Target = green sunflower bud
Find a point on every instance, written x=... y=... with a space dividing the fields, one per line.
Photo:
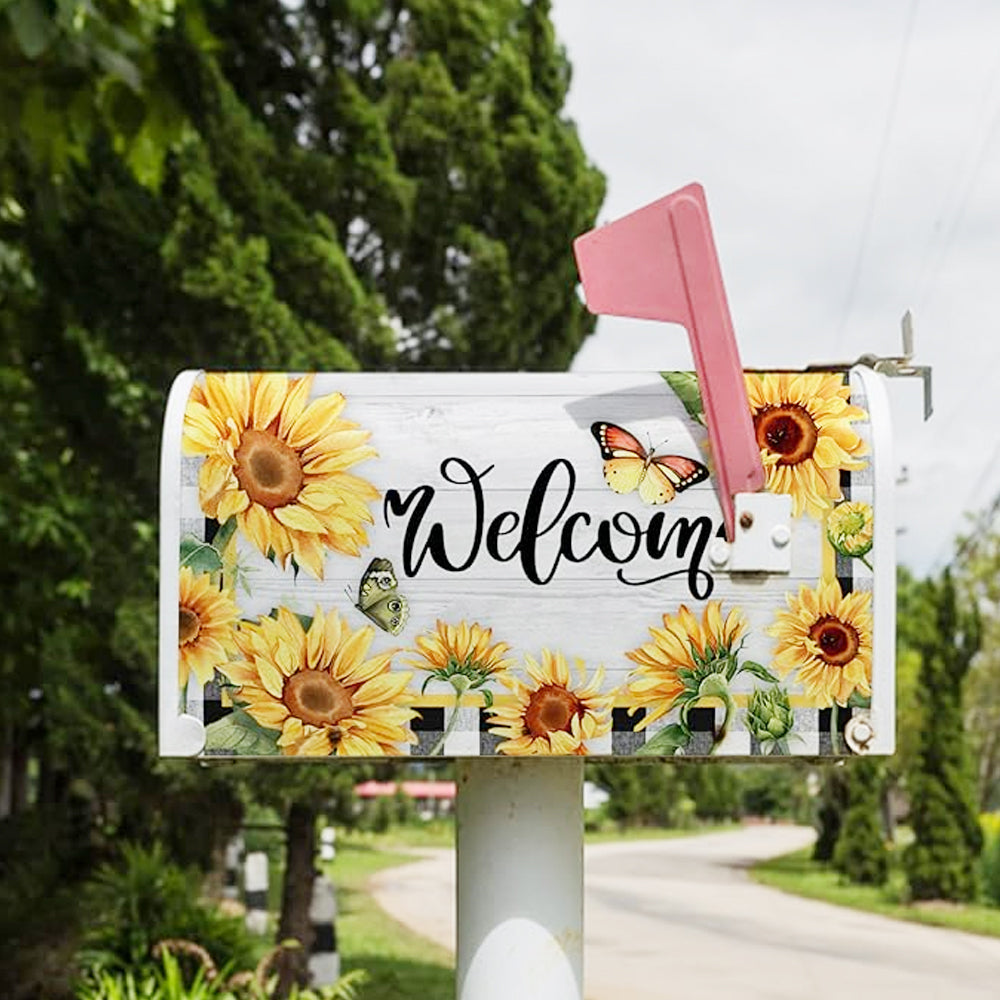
x=770 y=718
x=850 y=527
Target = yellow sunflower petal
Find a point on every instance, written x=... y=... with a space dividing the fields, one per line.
x=269 y=392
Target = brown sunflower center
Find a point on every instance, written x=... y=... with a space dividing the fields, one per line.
x=189 y=625
x=315 y=697
x=786 y=430
x=838 y=642
x=268 y=470
x=551 y=708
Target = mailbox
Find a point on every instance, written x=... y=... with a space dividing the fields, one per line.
x=523 y=564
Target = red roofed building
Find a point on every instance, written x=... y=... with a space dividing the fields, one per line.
x=430 y=798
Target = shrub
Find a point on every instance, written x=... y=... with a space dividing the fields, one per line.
x=860 y=853
x=145 y=898
x=989 y=861
x=167 y=982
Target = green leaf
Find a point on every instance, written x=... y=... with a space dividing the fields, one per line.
x=666 y=742
x=124 y=107
x=119 y=66
x=239 y=734
x=33 y=28
x=685 y=386
x=759 y=671
x=199 y=556
x=225 y=532
x=858 y=700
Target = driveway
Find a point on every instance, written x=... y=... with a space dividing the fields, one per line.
x=674 y=919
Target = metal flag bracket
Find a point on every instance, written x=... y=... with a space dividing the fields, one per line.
x=895 y=366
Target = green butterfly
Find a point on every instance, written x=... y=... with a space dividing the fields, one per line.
x=378 y=599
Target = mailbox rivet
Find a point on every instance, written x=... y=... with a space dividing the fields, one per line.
x=746 y=520
x=859 y=732
x=718 y=552
x=781 y=535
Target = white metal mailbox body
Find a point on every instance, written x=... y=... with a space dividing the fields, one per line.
x=492 y=498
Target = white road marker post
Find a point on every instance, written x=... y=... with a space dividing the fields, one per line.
x=255 y=882
x=324 y=957
x=519 y=860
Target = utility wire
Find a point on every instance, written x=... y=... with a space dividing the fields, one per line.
x=890 y=119
x=969 y=170
x=983 y=519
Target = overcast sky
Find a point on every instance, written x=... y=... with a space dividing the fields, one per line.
x=850 y=152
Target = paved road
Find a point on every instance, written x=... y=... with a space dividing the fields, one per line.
x=676 y=919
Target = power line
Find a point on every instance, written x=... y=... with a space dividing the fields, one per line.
x=959 y=216
x=984 y=517
x=969 y=170
x=879 y=169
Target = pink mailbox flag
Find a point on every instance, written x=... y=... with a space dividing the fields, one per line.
x=660 y=262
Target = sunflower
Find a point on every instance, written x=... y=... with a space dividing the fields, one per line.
x=850 y=526
x=827 y=638
x=279 y=465
x=681 y=655
x=319 y=689
x=463 y=654
x=802 y=424
x=549 y=716
x=205 y=626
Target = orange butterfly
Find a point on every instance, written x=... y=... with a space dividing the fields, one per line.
x=629 y=466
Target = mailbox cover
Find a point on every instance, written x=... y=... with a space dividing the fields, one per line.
x=384 y=564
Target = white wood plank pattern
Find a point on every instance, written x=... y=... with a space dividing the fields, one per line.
x=641 y=561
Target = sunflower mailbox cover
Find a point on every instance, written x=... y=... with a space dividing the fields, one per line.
x=521 y=564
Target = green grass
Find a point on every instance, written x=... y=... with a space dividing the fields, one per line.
x=798 y=874
x=611 y=834
x=441 y=833
x=401 y=965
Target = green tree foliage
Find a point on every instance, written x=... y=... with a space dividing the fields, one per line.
x=714 y=787
x=70 y=71
x=647 y=794
x=978 y=576
x=941 y=863
x=145 y=898
x=832 y=805
x=351 y=185
x=776 y=790
x=860 y=853
x=431 y=135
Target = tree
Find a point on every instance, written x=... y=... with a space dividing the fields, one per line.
x=714 y=787
x=941 y=863
x=860 y=852
x=356 y=184
x=431 y=135
x=69 y=71
x=978 y=576
x=651 y=794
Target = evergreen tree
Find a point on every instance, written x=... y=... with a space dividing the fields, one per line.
x=860 y=853
x=978 y=576
x=941 y=863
